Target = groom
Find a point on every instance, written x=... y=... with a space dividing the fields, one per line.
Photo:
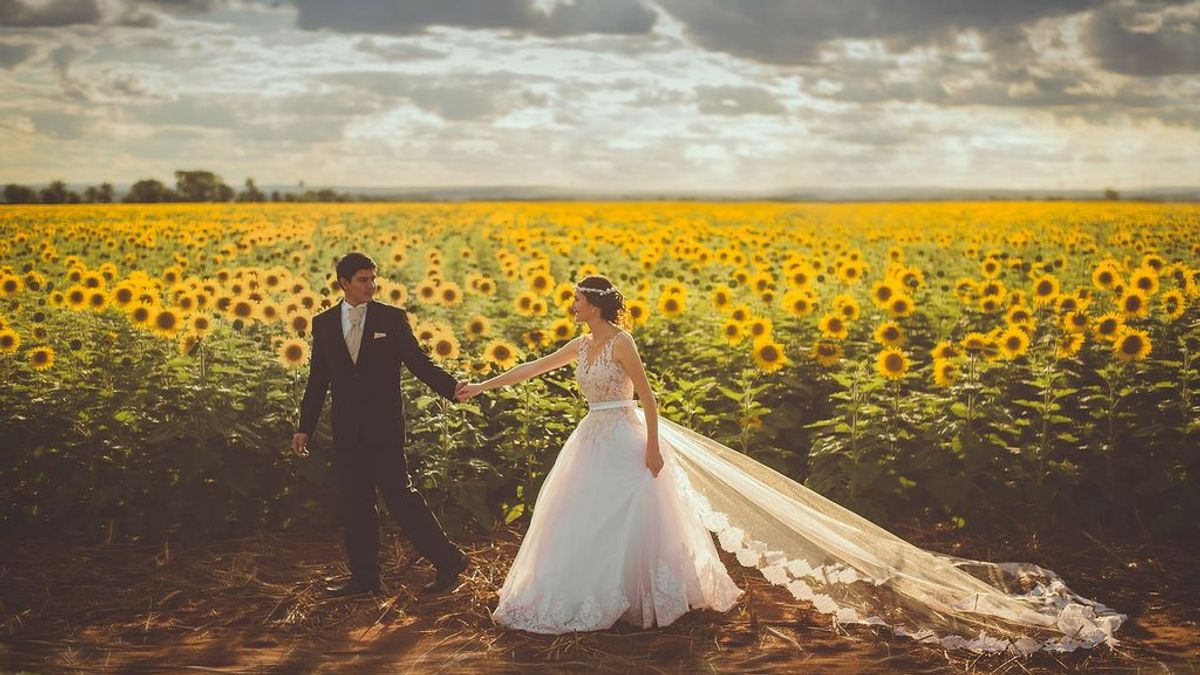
x=358 y=346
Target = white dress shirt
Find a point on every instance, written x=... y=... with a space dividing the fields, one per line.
x=346 y=318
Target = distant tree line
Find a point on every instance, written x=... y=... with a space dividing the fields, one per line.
x=190 y=186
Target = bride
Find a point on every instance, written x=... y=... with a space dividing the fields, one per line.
x=620 y=530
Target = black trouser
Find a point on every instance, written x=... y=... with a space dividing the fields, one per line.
x=359 y=470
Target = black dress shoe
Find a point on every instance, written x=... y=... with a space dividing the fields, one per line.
x=351 y=587
x=447 y=576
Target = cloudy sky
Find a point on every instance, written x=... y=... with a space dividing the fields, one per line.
x=608 y=94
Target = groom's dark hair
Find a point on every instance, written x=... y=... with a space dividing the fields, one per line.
x=352 y=262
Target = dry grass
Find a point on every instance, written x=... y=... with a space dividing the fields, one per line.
x=257 y=605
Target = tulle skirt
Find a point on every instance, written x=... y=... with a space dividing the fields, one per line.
x=608 y=540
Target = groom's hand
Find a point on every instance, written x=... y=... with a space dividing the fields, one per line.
x=300 y=445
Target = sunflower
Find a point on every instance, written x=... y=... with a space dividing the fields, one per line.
x=990 y=304
x=292 y=353
x=1013 y=342
x=445 y=347
x=10 y=341
x=834 y=326
x=945 y=372
x=892 y=363
x=769 y=356
x=850 y=273
x=882 y=293
x=847 y=306
x=977 y=344
x=535 y=338
x=122 y=295
x=740 y=313
x=827 y=353
x=199 y=325
x=397 y=295
x=140 y=315
x=538 y=307
x=1068 y=345
x=97 y=300
x=991 y=267
x=166 y=322
x=799 y=302
x=1132 y=345
x=759 y=328
x=1045 y=290
x=637 y=311
x=41 y=357
x=478 y=326
x=501 y=353
x=10 y=285
x=562 y=330
x=1076 y=321
x=425 y=332
x=722 y=298
x=427 y=291
x=524 y=303
x=945 y=349
x=1174 y=303
x=1106 y=275
x=671 y=305
x=269 y=312
x=900 y=306
x=485 y=286
x=992 y=288
x=242 y=308
x=450 y=294
x=889 y=333
x=77 y=297
x=733 y=332
x=1108 y=326
x=1133 y=303
x=1144 y=279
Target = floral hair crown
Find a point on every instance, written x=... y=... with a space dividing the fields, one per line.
x=597 y=291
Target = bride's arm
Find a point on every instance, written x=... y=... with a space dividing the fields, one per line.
x=568 y=353
x=625 y=353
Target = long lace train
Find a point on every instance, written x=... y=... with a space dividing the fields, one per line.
x=858 y=572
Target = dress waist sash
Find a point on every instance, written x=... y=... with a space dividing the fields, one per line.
x=605 y=405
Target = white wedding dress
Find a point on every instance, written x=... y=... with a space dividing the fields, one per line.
x=610 y=541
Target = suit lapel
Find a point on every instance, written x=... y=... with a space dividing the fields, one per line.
x=368 y=336
x=335 y=327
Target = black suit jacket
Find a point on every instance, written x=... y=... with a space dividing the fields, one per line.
x=366 y=394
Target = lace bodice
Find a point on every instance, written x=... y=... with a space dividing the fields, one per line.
x=600 y=377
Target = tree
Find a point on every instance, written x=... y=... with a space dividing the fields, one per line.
x=202 y=186
x=1111 y=195
x=55 y=193
x=105 y=193
x=20 y=194
x=251 y=193
x=149 y=190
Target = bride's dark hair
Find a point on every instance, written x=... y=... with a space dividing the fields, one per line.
x=612 y=305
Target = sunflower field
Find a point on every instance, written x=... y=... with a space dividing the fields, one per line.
x=971 y=363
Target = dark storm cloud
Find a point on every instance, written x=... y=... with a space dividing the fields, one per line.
x=790 y=32
x=458 y=98
x=625 y=17
x=737 y=101
x=1169 y=44
x=19 y=14
x=14 y=54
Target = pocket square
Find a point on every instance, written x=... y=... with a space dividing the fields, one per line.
x=379 y=335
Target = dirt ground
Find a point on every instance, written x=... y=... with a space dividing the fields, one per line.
x=257 y=605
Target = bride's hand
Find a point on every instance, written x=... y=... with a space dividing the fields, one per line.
x=654 y=460
x=470 y=391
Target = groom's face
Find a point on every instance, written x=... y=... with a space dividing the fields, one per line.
x=360 y=288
